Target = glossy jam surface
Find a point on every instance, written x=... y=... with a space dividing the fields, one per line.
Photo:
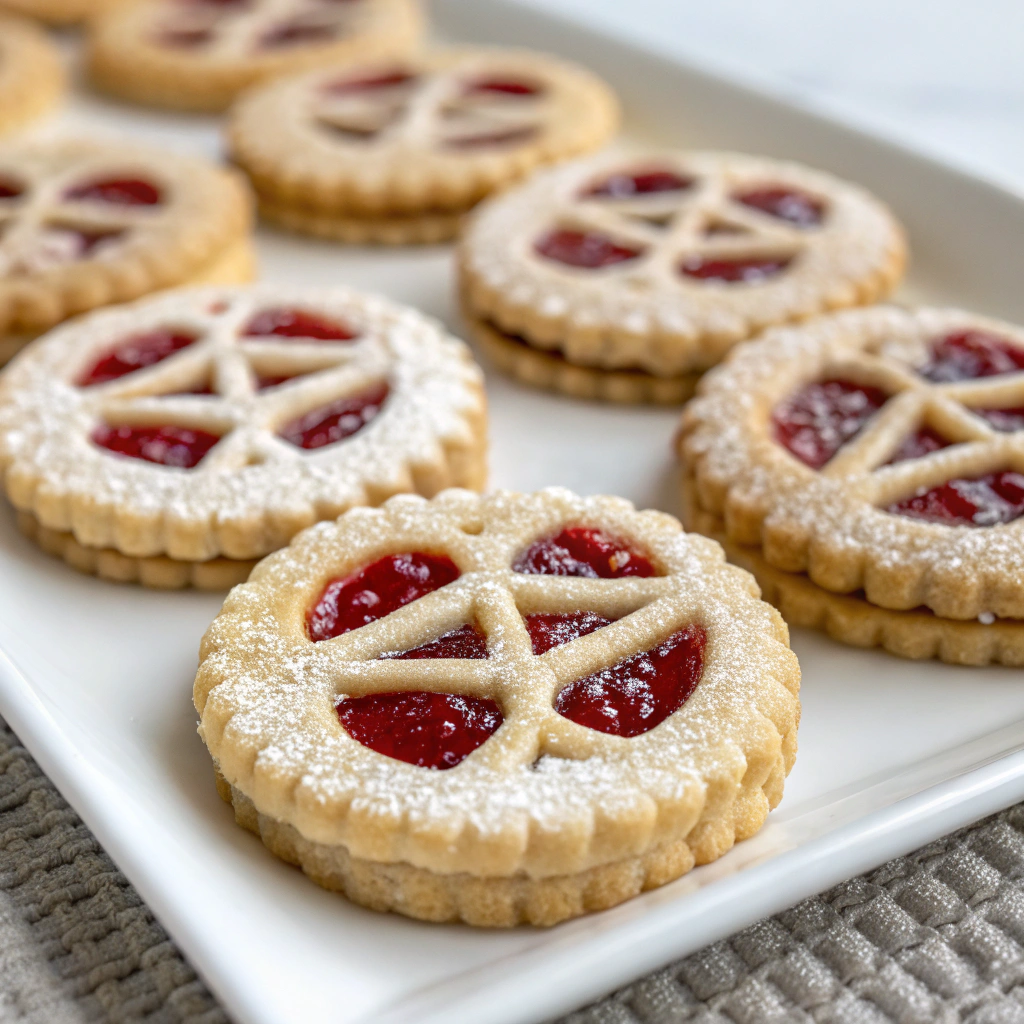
x=264 y=382
x=818 y=420
x=733 y=271
x=788 y=204
x=370 y=83
x=294 y=323
x=969 y=355
x=640 y=183
x=581 y=551
x=178 y=447
x=430 y=730
x=466 y=642
x=637 y=694
x=918 y=445
x=335 y=422
x=984 y=501
x=377 y=590
x=117 y=191
x=504 y=87
x=9 y=189
x=589 y=250
x=135 y=354
x=550 y=631
x=1005 y=420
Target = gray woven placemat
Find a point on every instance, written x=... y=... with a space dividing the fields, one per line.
x=934 y=937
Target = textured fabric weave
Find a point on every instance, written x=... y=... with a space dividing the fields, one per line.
x=934 y=937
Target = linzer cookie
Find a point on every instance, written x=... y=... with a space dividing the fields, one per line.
x=624 y=278
x=176 y=440
x=86 y=224
x=31 y=77
x=517 y=708
x=200 y=55
x=58 y=12
x=398 y=151
x=868 y=467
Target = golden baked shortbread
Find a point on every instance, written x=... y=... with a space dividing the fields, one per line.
x=176 y=440
x=516 y=708
x=88 y=223
x=398 y=151
x=869 y=468
x=200 y=56
x=31 y=75
x=59 y=12
x=625 y=277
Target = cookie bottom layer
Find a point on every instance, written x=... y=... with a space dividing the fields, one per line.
x=507 y=902
x=852 y=620
x=158 y=573
x=425 y=229
x=554 y=372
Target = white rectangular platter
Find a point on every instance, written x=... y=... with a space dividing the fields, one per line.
x=96 y=678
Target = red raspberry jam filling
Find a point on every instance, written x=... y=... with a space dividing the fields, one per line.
x=504 y=87
x=9 y=189
x=590 y=250
x=337 y=421
x=1005 y=420
x=550 y=631
x=788 y=204
x=970 y=355
x=581 y=551
x=640 y=692
x=265 y=383
x=177 y=447
x=118 y=191
x=293 y=323
x=984 y=501
x=506 y=138
x=377 y=590
x=135 y=354
x=733 y=271
x=918 y=445
x=370 y=83
x=466 y=642
x=295 y=33
x=640 y=183
x=430 y=730
x=817 y=421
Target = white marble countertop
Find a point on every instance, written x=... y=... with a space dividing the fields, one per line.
x=944 y=75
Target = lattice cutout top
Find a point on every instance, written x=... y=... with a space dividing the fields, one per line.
x=88 y=223
x=439 y=131
x=212 y=50
x=539 y=792
x=222 y=421
x=662 y=261
x=879 y=450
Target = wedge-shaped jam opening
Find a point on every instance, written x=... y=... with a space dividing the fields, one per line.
x=988 y=500
x=117 y=191
x=819 y=419
x=430 y=730
x=297 y=324
x=10 y=189
x=467 y=642
x=503 y=85
x=135 y=353
x=746 y=270
x=337 y=421
x=784 y=203
x=583 y=551
x=184 y=38
x=548 y=631
x=970 y=355
x=587 y=250
x=370 y=83
x=176 y=447
x=637 y=694
x=298 y=33
x=377 y=590
x=921 y=443
x=651 y=181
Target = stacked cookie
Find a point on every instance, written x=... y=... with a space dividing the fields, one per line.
x=31 y=77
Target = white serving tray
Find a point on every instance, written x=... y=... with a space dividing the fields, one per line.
x=96 y=678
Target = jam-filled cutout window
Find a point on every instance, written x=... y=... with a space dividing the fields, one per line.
x=920 y=444
x=116 y=192
x=1006 y=421
x=297 y=325
x=503 y=87
x=298 y=32
x=586 y=552
x=971 y=355
x=468 y=643
x=337 y=421
x=734 y=269
x=61 y=242
x=989 y=500
x=650 y=181
x=10 y=188
x=813 y=424
x=785 y=203
x=136 y=353
x=384 y=81
x=165 y=445
x=585 y=250
x=549 y=630
x=640 y=692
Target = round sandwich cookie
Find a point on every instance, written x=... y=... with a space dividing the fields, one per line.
x=175 y=441
x=58 y=12
x=500 y=710
x=31 y=75
x=626 y=277
x=190 y=55
x=85 y=224
x=868 y=467
x=397 y=151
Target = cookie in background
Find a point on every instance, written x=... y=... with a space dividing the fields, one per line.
x=31 y=73
x=59 y=12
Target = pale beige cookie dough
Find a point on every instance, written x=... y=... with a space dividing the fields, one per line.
x=59 y=12
x=31 y=75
